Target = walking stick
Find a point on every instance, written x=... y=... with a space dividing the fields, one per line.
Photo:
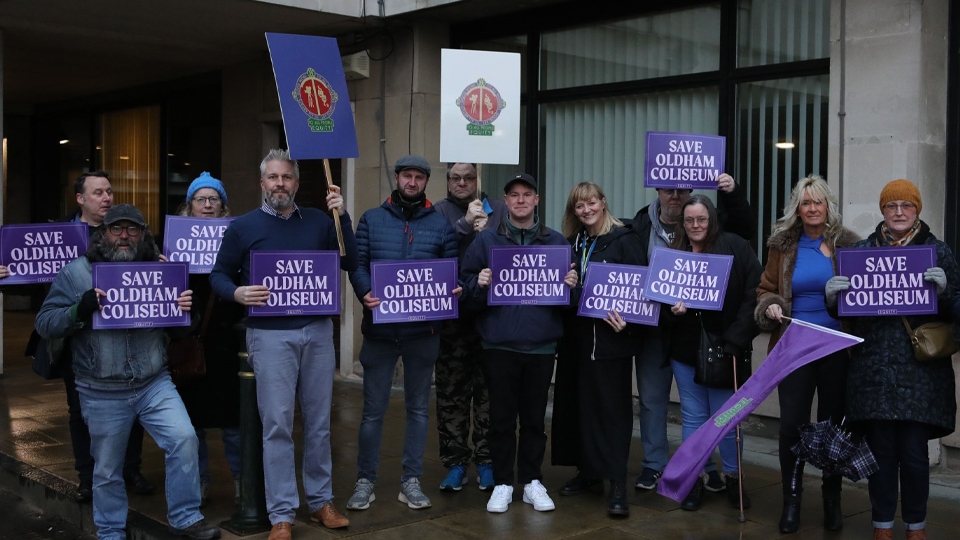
x=741 y=518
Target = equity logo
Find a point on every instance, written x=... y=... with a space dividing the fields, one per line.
x=317 y=99
x=481 y=104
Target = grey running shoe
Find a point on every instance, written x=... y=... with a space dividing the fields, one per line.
x=362 y=495
x=412 y=495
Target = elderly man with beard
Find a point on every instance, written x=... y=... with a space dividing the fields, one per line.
x=121 y=377
x=406 y=226
x=288 y=354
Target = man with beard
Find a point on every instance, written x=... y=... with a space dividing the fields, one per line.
x=121 y=378
x=288 y=354
x=406 y=226
x=459 y=375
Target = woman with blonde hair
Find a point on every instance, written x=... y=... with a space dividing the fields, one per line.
x=801 y=258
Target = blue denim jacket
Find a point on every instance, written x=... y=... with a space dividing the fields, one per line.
x=101 y=358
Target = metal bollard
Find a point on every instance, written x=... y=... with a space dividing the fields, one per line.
x=252 y=515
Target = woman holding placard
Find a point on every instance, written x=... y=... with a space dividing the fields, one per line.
x=734 y=324
x=901 y=402
x=593 y=401
x=802 y=257
x=213 y=401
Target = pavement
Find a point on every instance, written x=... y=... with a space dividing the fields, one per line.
x=37 y=479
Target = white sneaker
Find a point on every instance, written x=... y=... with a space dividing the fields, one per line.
x=534 y=493
x=501 y=499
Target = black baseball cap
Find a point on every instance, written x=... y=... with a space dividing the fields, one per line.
x=124 y=212
x=522 y=177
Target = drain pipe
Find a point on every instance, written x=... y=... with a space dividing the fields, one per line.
x=842 y=106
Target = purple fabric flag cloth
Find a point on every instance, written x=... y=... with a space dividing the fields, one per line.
x=800 y=344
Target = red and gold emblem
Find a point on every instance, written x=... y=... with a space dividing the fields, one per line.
x=481 y=104
x=317 y=99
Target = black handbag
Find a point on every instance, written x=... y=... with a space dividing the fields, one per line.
x=715 y=368
x=186 y=360
x=47 y=355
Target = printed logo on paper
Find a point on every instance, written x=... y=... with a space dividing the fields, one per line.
x=317 y=99
x=481 y=104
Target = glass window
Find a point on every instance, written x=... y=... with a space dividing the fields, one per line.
x=604 y=140
x=772 y=116
x=129 y=149
x=672 y=43
x=776 y=31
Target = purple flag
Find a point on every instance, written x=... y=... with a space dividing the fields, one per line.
x=683 y=160
x=414 y=290
x=617 y=287
x=887 y=281
x=800 y=344
x=140 y=294
x=194 y=240
x=36 y=253
x=531 y=275
x=698 y=279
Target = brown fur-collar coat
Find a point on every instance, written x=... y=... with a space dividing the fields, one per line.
x=776 y=283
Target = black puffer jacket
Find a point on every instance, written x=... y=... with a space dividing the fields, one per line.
x=885 y=381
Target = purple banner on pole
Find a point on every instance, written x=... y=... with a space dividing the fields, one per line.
x=414 y=290
x=529 y=275
x=140 y=294
x=683 y=160
x=314 y=103
x=800 y=344
x=36 y=253
x=300 y=282
x=194 y=241
x=698 y=279
x=617 y=287
x=887 y=281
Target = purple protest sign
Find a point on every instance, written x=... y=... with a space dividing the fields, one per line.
x=140 y=294
x=414 y=290
x=317 y=118
x=617 y=287
x=887 y=281
x=529 y=275
x=300 y=282
x=683 y=160
x=698 y=279
x=195 y=241
x=35 y=253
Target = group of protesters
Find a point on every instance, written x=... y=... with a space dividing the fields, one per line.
x=493 y=365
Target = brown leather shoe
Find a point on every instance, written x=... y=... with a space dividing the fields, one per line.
x=281 y=531
x=330 y=517
x=882 y=534
x=918 y=534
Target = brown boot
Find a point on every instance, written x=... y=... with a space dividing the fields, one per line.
x=330 y=517
x=918 y=534
x=280 y=531
x=883 y=534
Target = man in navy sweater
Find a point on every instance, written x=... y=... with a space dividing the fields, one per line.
x=288 y=353
x=406 y=226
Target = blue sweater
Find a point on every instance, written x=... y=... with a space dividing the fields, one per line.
x=256 y=230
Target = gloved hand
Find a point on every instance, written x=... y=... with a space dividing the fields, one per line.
x=89 y=304
x=833 y=287
x=938 y=276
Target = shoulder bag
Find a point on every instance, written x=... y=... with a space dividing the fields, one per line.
x=715 y=368
x=185 y=356
x=932 y=341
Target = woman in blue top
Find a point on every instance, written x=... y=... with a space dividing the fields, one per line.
x=802 y=257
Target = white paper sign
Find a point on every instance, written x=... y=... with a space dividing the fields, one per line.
x=479 y=107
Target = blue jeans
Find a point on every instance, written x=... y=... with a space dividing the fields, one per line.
x=697 y=405
x=654 y=381
x=379 y=358
x=158 y=407
x=231 y=448
x=901 y=451
x=288 y=363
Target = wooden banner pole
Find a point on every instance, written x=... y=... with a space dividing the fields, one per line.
x=336 y=215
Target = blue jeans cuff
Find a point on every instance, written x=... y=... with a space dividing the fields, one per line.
x=883 y=524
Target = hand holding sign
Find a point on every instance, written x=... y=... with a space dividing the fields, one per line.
x=185 y=300
x=252 y=295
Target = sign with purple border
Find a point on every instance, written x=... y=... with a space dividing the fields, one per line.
x=887 y=281
x=140 y=295
x=617 y=287
x=36 y=253
x=698 y=279
x=683 y=160
x=195 y=241
x=300 y=282
x=531 y=275
x=414 y=290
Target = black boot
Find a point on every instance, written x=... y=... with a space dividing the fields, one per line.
x=580 y=483
x=733 y=492
x=790 y=519
x=617 y=503
x=695 y=498
x=832 y=516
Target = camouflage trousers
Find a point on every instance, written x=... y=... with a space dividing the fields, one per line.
x=461 y=390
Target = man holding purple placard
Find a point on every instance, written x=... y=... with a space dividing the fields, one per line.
x=293 y=354
x=121 y=377
x=406 y=226
x=519 y=343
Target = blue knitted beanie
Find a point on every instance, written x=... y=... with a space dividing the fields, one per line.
x=206 y=181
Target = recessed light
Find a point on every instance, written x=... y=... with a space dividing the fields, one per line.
x=785 y=145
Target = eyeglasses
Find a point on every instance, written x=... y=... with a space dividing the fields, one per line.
x=701 y=220
x=674 y=192
x=202 y=201
x=904 y=206
x=132 y=230
x=467 y=179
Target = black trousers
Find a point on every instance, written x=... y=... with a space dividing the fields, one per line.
x=519 y=385
x=901 y=451
x=828 y=378
x=606 y=416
